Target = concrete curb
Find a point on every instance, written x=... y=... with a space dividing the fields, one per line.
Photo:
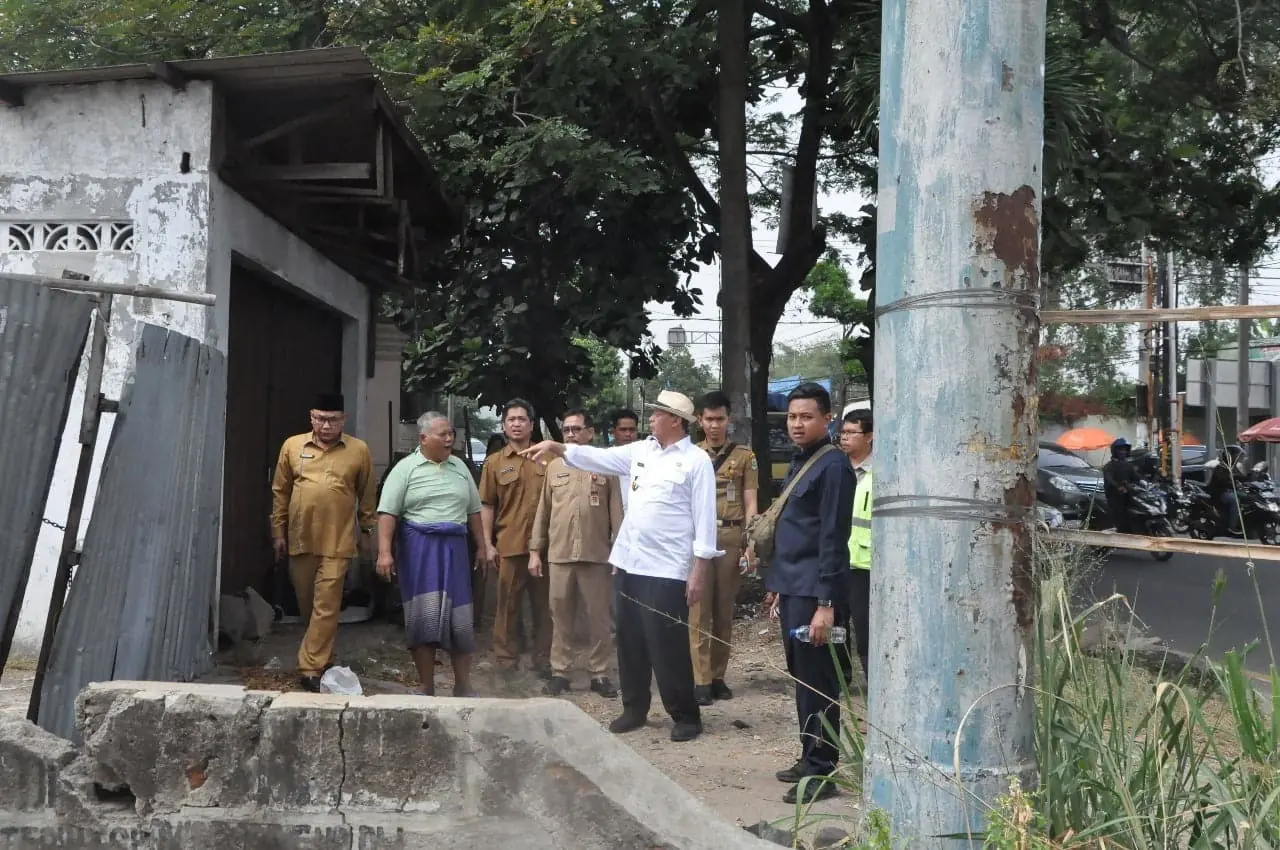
x=168 y=765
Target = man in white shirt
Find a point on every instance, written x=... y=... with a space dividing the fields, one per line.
x=662 y=553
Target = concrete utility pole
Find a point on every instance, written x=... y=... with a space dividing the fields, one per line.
x=958 y=256
x=1174 y=436
x=1244 y=329
x=735 y=217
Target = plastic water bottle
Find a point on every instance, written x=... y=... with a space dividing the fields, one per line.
x=836 y=634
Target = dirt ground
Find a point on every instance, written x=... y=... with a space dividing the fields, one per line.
x=15 y=688
x=730 y=767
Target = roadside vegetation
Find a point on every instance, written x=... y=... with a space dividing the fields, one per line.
x=1133 y=754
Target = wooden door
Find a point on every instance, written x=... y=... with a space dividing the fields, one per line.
x=283 y=350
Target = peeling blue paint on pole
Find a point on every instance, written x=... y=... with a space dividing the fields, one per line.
x=961 y=137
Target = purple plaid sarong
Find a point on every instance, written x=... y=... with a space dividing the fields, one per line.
x=435 y=585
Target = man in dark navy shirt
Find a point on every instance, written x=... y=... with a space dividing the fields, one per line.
x=809 y=580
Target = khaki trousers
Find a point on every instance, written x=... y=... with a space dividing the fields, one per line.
x=513 y=581
x=711 y=619
x=317 y=581
x=581 y=588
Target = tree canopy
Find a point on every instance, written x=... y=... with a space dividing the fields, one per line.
x=580 y=136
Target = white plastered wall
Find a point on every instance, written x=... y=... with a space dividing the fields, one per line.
x=138 y=154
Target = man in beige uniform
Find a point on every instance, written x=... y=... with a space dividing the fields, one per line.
x=510 y=487
x=711 y=618
x=578 y=517
x=321 y=478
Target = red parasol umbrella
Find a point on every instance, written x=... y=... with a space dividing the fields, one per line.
x=1267 y=431
x=1085 y=439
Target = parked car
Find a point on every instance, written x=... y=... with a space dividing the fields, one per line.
x=1193 y=461
x=1066 y=481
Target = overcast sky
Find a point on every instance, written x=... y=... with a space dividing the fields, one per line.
x=800 y=328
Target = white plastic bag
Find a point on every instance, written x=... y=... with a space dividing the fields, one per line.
x=340 y=680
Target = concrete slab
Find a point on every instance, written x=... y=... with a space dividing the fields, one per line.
x=219 y=766
x=30 y=761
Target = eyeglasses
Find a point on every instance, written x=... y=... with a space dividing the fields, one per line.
x=574 y=429
x=328 y=420
x=853 y=433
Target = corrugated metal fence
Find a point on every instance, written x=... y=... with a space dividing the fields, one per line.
x=42 y=333
x=140 y=603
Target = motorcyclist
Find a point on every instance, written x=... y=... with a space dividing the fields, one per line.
x=1222 y=486
x=1119 y=475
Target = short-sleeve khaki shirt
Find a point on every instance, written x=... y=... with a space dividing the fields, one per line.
x=511 y=486
x=578 y=516
x=736 y=475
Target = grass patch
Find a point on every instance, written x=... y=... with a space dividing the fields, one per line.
x=1128 y=758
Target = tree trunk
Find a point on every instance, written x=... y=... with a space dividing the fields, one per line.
x=764 y=321
x=735 y=218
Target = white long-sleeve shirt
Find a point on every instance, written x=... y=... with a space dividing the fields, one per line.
x=671 y=509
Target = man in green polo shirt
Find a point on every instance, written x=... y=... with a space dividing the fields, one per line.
x=431 y=499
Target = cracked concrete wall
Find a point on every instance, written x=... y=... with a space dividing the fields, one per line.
x=168 y=766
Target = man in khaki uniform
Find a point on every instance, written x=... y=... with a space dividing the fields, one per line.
x=510 y=487
x=711 y=619
x=320 y=479
x=578 y=516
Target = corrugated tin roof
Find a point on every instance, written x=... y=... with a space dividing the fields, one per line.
x=293 y=68
x=264 y=90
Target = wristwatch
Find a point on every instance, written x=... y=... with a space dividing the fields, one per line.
x=824 y=603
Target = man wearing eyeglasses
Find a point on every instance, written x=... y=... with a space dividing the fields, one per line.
x=856 y=435
x=579 y=514
x=322 y=478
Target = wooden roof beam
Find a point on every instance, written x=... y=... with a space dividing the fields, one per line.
x=307 y=171
x=324 y=113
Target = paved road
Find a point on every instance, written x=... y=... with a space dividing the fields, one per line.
x=1175 y=601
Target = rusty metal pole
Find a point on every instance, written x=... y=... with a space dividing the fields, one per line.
x=958 y=274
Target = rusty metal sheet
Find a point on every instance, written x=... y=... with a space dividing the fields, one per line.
x=42 y=334
x=141 y=600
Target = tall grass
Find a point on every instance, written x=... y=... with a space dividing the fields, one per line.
x=1129 y=758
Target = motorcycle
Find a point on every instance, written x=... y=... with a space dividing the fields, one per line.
x=1259 y=512
x=1146 y=513
x=1183 y=503
x=1179 y=501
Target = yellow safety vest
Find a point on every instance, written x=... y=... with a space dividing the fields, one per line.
x=860 y=535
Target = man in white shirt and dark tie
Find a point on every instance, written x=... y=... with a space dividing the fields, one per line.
x=662 y=553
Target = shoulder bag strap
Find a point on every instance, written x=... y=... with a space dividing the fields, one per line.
x=719 y=459
x=795 y=479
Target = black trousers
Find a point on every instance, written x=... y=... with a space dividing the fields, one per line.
x=860 y=613
x=817 y=669
x=653 y=642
